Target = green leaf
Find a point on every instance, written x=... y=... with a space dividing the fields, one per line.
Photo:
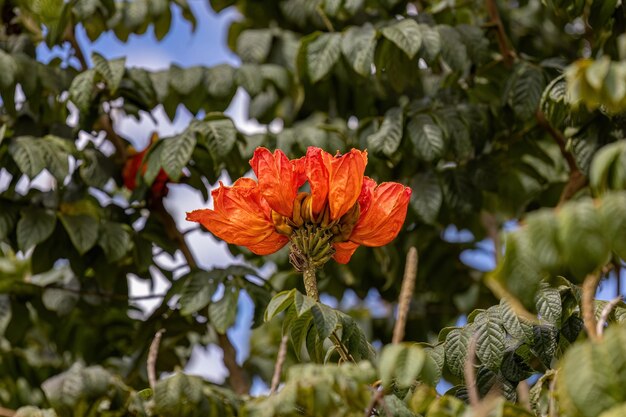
x=298 y=329
x=426 y=136
x=117 y=69
x=278 y=303
x=81 y=89
x=176 y=152
x=322 y=53
x=28 y=155
x=56 y=155
x=549 y=305
x=545 y=342
x=427 y=202
x=358 y=44
x=456 y=345
x=526 y=90
x=186 y=81
x=387 y=139
x=82 y=229
x=453 y=50
x=5 y=313
x=180 y=395
x=197 y=291
x=223 y=312
x=34 y=226
x=513 y=324
x=584 y=245
x=490 y=339
x=253 y=45
x=115 y=240
x=8 y=70
x=8 y=218
x=302 y=303
x=325 y=320
x=406 y=35
x=217 y=133
x=401 y=365
x=431 y=42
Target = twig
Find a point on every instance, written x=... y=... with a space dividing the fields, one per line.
x=605 y=314
x=590 y=284
x=378 y=396
x=153 y=354
x=325 y=18
x=406 y=294
x=70 y=36
x=523 y=395
x=507 y=53
x=280 y=361
x=470 y=373
x=105 y=123
x=490 y=224
x=552 y=409
x=577 y=180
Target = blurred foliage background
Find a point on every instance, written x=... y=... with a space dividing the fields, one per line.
x=498 y=114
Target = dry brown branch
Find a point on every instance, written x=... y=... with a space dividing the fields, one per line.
x=590 y=284
x=280 y=361
x=604 y=316
x=577 y=180
x=406 y=294
x=507 y=53
x=153 y=354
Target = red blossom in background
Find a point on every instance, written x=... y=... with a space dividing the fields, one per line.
x=135 y=165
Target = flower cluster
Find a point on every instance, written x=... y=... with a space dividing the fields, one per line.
x=135 y=164
x=341 y=210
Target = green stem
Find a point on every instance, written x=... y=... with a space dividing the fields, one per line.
x=310 y=286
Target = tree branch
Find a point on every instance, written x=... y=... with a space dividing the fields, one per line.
x=507 y=53
x=280 y=361
x=70 y=36
x=590 y=284
x=406 y=294
x=106 y=123
x=605 y=314
x=577 y=180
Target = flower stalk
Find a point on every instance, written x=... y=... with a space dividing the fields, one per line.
x=310 y=286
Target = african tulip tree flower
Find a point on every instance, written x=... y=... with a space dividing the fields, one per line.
x=344 y=208
x=135 y=164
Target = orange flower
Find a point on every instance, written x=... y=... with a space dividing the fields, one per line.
x=343 y=210
x=135 y=163
x=242 y=217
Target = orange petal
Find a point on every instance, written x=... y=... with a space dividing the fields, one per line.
x=278 y=179
x=317 y=174
x=345 y=180
x=384 y=217
x=344 y=251
x=241 y=217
